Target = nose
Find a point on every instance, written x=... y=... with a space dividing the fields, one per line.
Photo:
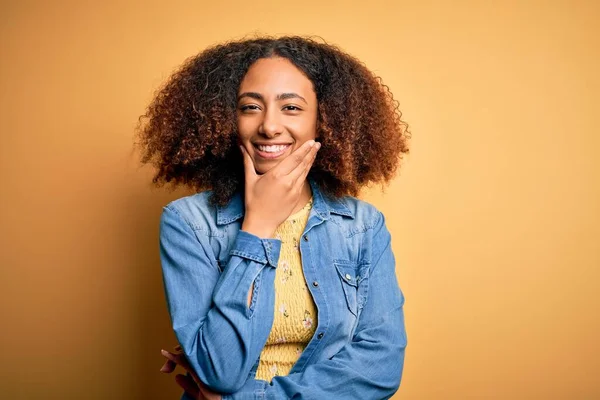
x=270 y=125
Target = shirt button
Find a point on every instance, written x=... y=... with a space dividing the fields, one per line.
x=315 y=283
x=348 y=277
x=305 y=237
x=320 y=335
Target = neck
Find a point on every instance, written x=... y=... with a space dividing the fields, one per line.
x=305 y=195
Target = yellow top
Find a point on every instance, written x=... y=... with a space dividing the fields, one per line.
x=295 y=312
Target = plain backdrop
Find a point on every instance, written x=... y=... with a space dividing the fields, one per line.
x=495 y=215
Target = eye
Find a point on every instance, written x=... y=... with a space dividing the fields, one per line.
x=249 y=107
x=292 y=108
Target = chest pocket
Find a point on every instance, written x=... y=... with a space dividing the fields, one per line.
x=353 y=281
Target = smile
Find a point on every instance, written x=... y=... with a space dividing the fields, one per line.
x=271 y=151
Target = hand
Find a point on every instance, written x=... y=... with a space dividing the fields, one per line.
x=192 y=386
x=271 y=198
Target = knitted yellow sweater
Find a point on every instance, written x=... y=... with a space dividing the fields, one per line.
x=295 y=312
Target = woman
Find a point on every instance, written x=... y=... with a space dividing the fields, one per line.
x=279 y=283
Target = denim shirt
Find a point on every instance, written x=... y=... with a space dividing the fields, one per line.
x=209 y=265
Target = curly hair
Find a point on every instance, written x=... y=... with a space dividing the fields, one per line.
x=189 y=130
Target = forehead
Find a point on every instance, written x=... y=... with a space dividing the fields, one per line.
x=275 y=75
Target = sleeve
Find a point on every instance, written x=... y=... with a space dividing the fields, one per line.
x=370 y=366
x=221 y=336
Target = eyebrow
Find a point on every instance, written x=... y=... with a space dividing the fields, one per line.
x=281 y=96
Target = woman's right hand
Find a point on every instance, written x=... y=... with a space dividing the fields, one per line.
x=190 y=384
x=272 y=197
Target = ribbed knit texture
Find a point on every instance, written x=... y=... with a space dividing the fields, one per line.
x=295 y=312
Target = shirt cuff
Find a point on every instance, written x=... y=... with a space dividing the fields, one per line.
x=264 y=251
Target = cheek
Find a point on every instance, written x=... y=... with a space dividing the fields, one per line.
x=304 y=129
x=244 y=131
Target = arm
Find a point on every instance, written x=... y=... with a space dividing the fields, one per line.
x=219 y=333
x=370 y=366
x=224 y=339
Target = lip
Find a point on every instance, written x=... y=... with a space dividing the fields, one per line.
x=271 y=143
x=271 y=156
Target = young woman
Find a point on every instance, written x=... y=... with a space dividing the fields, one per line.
x=279 y=283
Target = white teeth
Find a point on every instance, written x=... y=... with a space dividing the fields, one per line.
x=272 y=149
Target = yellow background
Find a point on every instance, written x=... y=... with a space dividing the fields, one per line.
x=495 y=216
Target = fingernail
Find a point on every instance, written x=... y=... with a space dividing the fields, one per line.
x=312 y=143
x=163 y=369
x=318 y=145
x=164 y=352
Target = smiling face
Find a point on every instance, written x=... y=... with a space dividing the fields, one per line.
x=276 y=111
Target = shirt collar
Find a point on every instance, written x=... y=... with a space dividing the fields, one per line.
x=323 y=206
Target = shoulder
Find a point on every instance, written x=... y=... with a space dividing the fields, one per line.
x=366 y=215
x=195 y=210
x=358 y=235
x=191 y=203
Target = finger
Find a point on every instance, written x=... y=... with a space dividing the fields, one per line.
x=249 y=171
x=188 y=384
x=300 y=181
x=169 y=356
x=178 y=348
x=289 y=163
x=178 y=359
x=168 y=367
x=301 y=171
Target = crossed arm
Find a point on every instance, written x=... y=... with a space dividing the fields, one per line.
x=369 y=366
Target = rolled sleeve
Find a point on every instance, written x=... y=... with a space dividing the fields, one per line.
x=209 y=310
x=264 y=251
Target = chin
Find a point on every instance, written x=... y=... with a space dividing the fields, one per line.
x=263 y=168
x=262 y=171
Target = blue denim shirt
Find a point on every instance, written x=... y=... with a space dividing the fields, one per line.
x=209 y=264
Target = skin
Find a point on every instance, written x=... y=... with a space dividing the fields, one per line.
x=192 y=385
x=277 y=105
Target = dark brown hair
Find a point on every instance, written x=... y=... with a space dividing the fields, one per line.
x=189 y=129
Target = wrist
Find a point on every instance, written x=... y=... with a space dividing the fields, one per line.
x=262 y=232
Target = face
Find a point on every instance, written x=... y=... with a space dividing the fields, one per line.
x=276 y=111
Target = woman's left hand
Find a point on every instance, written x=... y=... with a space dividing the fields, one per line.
x=192 y=385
